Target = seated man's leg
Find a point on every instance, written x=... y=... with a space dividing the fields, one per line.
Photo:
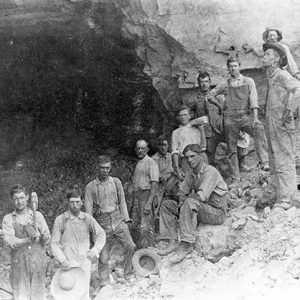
x=168 y=216
x=103 y=269
x=193 y=211
x=123 y=235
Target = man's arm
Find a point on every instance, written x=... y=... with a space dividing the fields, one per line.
x=184 y=190
x=9 y=234
x=175 y=155
x=154 y=179
x=55 y=246
x=121 y=198
x=218 y=90
x=99 y=238
x=43 y=228
x=88 y=200
x=291 y=62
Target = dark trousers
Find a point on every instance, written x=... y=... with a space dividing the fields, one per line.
x=191 y=213
x=122 y=234
x=233 y=123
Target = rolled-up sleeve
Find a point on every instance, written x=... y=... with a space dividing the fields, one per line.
x=293 y=86
x=175 y=143
x=154 y=171
x=212 y=182
x=218 y=90
x=55 y=245
x=99 y=236
x=252 y=93
x=88 y=199
x=8 y=230
x=121 y=198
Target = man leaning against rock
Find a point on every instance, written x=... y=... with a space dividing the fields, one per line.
x=202 y=198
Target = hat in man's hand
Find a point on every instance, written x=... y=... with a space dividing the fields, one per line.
x=71 y=284
x=280 y=50
x=266 y=33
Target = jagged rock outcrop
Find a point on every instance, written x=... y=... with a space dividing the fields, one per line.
x=176 y=38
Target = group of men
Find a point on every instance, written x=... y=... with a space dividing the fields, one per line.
x=181 y=188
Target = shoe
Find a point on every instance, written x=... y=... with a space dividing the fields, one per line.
x=265 y=167
x=170 y=248
x=181 y=253
x=245 y=168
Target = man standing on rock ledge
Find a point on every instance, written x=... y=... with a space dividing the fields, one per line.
x=280 y=125
x=240 y=113
x=202 y=198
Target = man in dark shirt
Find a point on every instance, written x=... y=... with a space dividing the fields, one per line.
x=201 y=199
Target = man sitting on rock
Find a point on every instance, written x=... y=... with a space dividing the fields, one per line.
x=202 y=198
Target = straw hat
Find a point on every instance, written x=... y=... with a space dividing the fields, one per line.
x=280 y=50
x=71 y=284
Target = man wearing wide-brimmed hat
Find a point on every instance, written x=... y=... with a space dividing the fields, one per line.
x=272 y=35
x=280 y=125
x=70 y=245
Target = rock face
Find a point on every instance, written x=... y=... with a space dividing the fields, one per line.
x=177 y=38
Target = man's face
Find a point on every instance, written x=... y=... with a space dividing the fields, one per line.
x=163 y=147
x=75 y=205
x=204 y=84
x=234 y=69
x=184 y=116
x=269 y=58
x=20 y=201
x=193 y=158
x=104 y=170
x=141 y=149
x=272 y=36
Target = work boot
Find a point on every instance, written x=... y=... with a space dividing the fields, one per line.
x=265 y=167
x=180 y=254
x=173 y=245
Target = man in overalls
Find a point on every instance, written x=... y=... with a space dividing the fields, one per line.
x=26 y=237
x=240 y=113
x=105 y=200
x=282 y=101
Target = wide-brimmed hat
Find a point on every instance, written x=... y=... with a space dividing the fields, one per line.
x=266 y=32
x=69 y=285
x=280 y=50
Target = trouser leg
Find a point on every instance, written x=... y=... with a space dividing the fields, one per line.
x=193 y=211
x=123 y=235
x=212 y=144
x=168 y=217
x=38 y=275
x=20 y=279
x=86 y=267
x=231 y=127
x=103 y=269
x=260 y=140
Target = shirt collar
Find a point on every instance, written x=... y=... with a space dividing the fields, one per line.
x=30 y=212
x=144 y=158
x=239 y=78
x=203 y=93
x=275 y=72
x=69 y=215
x=188 y=125
x=97 y=181
x=201 y=171
x=160 y=155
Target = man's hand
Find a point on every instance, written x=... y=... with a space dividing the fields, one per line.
x=180 y=174
x=256 y=123
x=147 y=208
x=66 y=265
x=287 y=116
x=92 y=255
x=31 y=232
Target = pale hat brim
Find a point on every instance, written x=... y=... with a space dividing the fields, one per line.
x=245 y=141
x=76 y=292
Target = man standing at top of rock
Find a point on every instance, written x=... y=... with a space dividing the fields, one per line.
x=271 y=35
x=280 y=126
x=145 y=185
x=240 y=113
x=181 y=137
x=214 y=128
x=202 y=198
